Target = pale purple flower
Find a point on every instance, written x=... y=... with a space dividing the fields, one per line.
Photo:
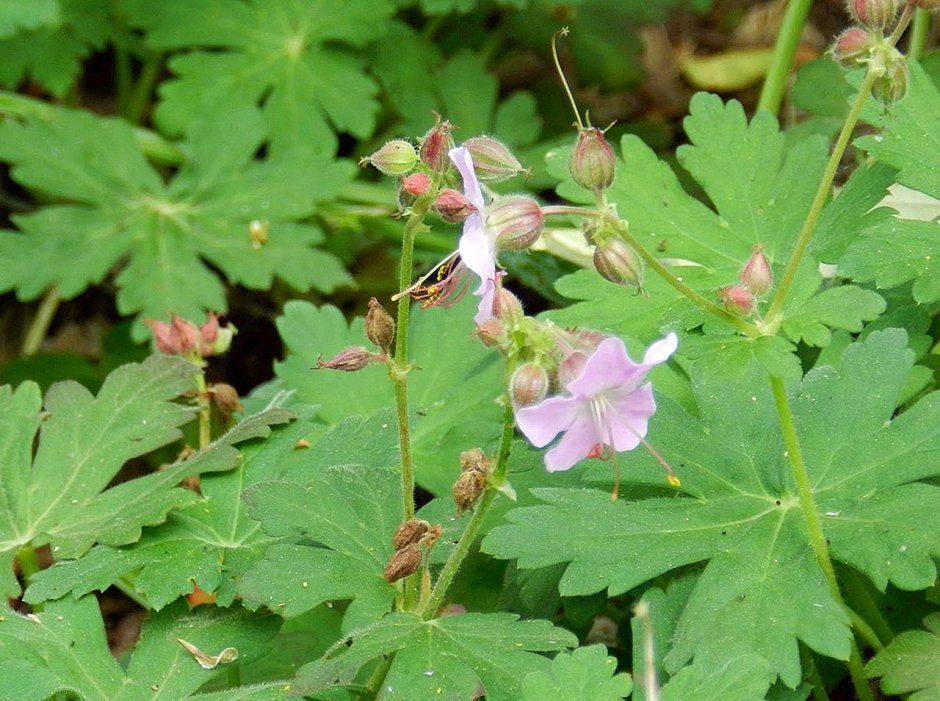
x=477 y=244
x=608 y=405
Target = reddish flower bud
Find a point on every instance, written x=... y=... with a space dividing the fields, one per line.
x=452 y=206
x=737 y=299
x=517 y=221
x=528 y=385
x=380 y=326
x=852 y=47
x=436 y=144
x=413 y=186
x=348 y=360
x=757 y=275
x=225 y=397
x=874 y=14
x=492 y=160
x=506 y=306
x=397 y=157
x=187 y=332
x=492 y=333
x=570 y=368
x=165 y=338
x=617 y=262
x=592 y=160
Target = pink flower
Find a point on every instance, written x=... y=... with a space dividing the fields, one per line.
x=476 y=252
x=609 y=405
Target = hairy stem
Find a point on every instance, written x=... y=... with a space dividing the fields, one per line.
x=741 y=325
x=920 y=27
x=38 y=327
x=139 y=98
x=814 y=525
x=819 y=201
x=788 y=38
x=467 y=538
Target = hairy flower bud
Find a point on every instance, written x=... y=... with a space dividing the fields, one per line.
x=467 y=489
x=874 y=14
x=517 y=221
x=506 y=306
x=410 y=532
x=348 y=360
x=452 y=206
x=617 y=262
x=492 y=333
x=528 y=385
x=412 y=187
x=737 y=299
x=187 y=332
x=403 y=563
x=757 y=275
x=570 y=368
x=592 y=160
x=380 y=326
x=926 y=4
x=396 y=157
x=435 y=145
x=492 y=160
x=852 y=47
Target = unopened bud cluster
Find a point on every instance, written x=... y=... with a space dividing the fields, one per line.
x=592 y=160
x=865 y=44
x=182 y=337
x=754 y=281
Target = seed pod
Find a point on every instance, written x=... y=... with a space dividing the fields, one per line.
x=225 y=397
x=348 y=360
x=396 y=157
x=467 y=489
x=380 y=326
x=403 y=563
x=474 y=459
x=410 y=532
x=592 y=160
x=492 y=160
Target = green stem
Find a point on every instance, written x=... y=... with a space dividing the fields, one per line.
x=398 y=371
x=467 y=538
x=140 y=97
x=122 y=70
x=920 y=28
x=205 y=416
x=29 y=562
x=126 y=587
x=819 y=201
x=811 y=674
x=875 y=631
x=814 y=524
x=741 y=325
x=38 y=327
x=788 y=38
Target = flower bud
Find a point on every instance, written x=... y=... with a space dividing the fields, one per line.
x=528 y=385
x=492 y=160
x=348 y=360
x=492 y=333
x=892 y=86
x=617 y=262
x=592 y=160
x=452 y=206
x=187 y=332
x=403 y=563
x=474 y=459
x=380 y=326
x=467 y=489
x=570 y=368
x=852 y=47
x=506 y=306
x=517 y=221
x=737 y=299
x=396 y=157
x=874 y=14
x=166 y=340
x=225 y=397
x=926 y=4
x=757 y=275
x=410 y=532
x=412 y=187
x=436 y=144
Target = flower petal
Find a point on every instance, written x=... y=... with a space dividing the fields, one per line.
x=604 y=369
x=575 y=445
x=478 y=250
x=660 y=351
x=471 y=186
x=629 y=420
x=542 y=422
